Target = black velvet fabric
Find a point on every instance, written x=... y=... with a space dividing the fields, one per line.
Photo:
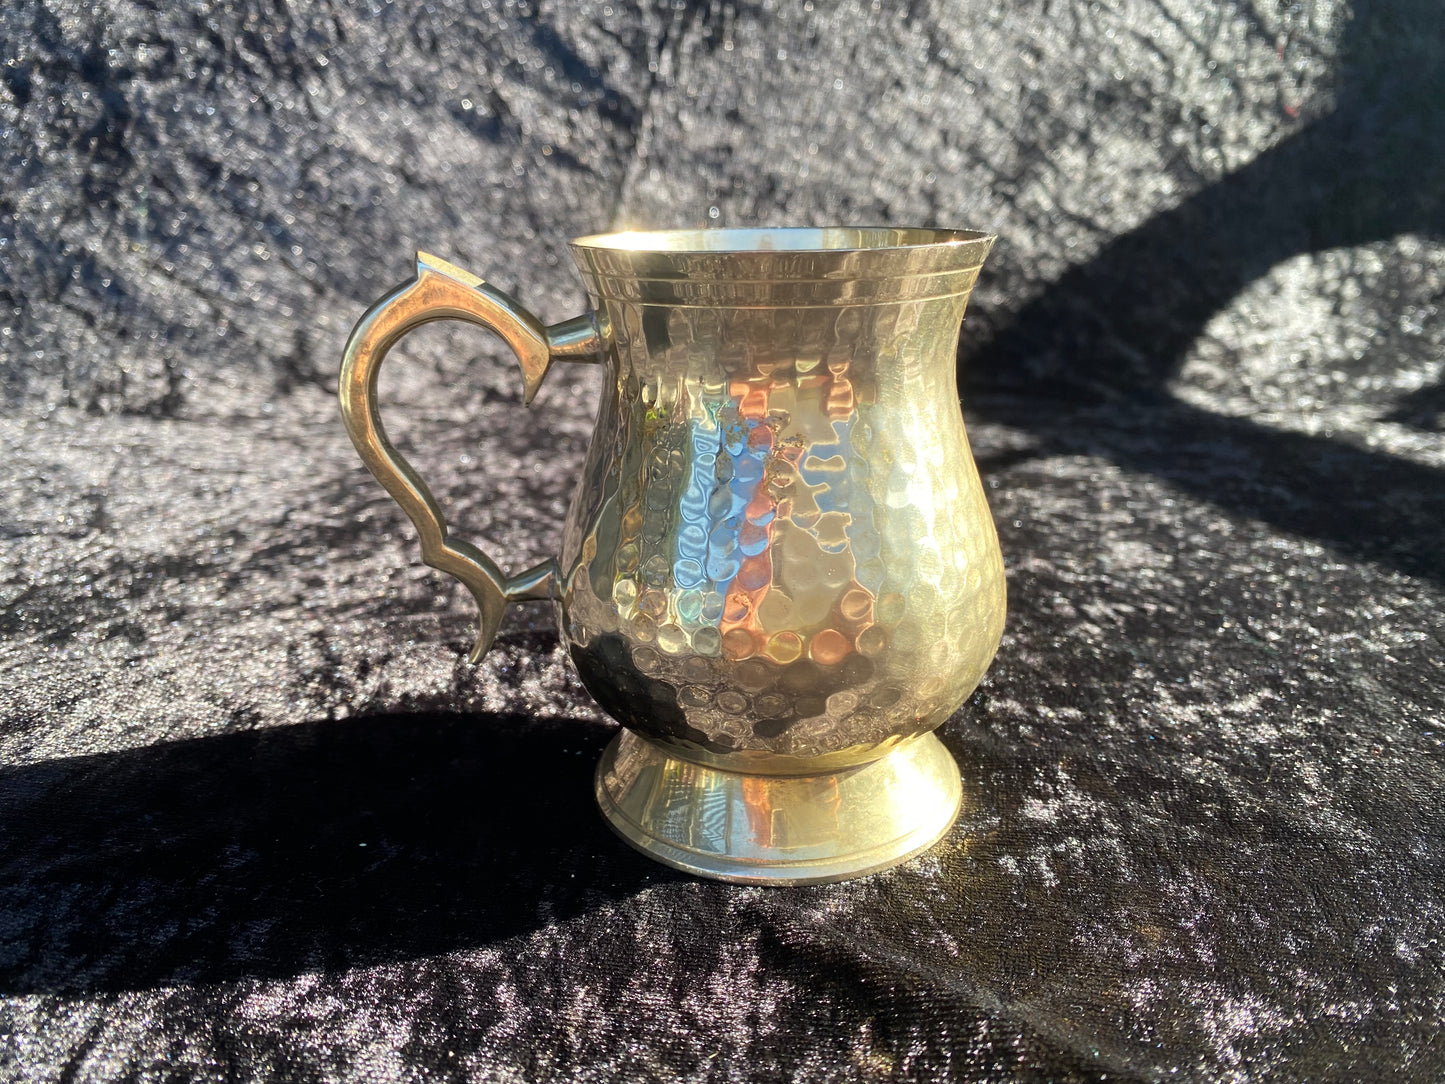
x=259 y=819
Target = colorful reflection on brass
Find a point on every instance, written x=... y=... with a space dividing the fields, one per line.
x=779 y=568
x=780 y=549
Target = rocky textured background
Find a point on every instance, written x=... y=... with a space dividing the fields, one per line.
x=260 y=819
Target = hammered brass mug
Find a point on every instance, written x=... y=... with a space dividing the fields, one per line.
x=779 y=572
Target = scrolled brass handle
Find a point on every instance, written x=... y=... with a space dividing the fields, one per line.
x=442 y=291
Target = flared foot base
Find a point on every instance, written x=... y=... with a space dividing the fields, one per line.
x=778 y=829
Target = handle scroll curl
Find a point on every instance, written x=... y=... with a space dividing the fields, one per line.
x=442 y=291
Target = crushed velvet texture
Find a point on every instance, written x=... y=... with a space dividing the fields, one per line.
x=258 y=819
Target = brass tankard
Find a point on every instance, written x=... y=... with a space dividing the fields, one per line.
x=779 y=571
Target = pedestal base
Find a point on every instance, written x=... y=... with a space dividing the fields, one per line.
x=778 y=829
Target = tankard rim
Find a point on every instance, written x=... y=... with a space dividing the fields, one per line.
x=783 y=267
x=731 y=240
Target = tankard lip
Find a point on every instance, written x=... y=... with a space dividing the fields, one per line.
x=739 y=241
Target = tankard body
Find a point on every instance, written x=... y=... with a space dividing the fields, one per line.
x=779 y=572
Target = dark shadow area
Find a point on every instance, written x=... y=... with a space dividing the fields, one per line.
x=1368 y=505
x=322 y=846
x=1115 y=330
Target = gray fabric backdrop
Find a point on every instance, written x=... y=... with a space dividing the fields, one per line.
x=261 y=820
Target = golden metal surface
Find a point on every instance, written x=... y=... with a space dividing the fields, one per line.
x=778 y=829
x=779 y=565
x=443 y=291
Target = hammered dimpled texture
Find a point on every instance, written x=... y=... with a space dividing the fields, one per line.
x=780 y=555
